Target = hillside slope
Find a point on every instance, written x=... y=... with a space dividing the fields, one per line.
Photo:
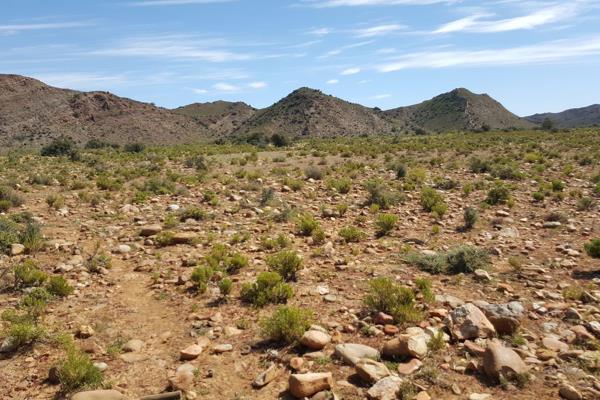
x=32 y=113
x=457 y=110
x=309 y=112
x=220 y=117
x=571 y=118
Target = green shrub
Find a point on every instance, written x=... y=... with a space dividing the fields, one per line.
x=381 y=195
x=466 y=259
x=55 y=201
x=77 y=371
x=558 y=185
x=385 y=223
x=593 y=248
x=268 y=288
x=159 y=186
x=585 y=204
x=432 y=263
x=21 y=330
x=287 y=324
x=225 y=286
x=194 y=213
x=400 y=171
x=314 y=172
x=202 y=276
x=9 y=198
x=341 y=185
x=499 y=194
x=479 y=166
x=27 y=274
x=430 y=198
x=9 y=234
x=62 y=146
x=31 y=237
x=35 y=301
x=318 y=236
x=470 y=216
x=134 y=147
x=426 y=289
x=388 y=297
x=107 y=183
x=306 y=224
x=351 y=234
x=538 y=196
x=58 y=286
x=165 y=238
x=286 y=263
x=198 y=162
x=233 y=263
x=98 y=260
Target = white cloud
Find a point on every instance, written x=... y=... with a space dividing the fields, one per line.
x=332 y=82
x=173 y=47
x=15 y=28
x=320 y=31
x=339 y=50
x=200 y=91
x=381 y=96
x=226 y=87
x=351 y=71
x=148 y=3
x=356 y=3
x=257 y=85
x=546 y=52
x=477 y=23
x=79 y=80
x=379 y=30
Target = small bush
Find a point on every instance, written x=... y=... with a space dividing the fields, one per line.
x=385 y=223
x=62 y=146
x=479 y=166
x=58 y=286
x=341 y=185
x=202 y=275
x=28 y=274
x=55 y=201
x=78 y=371
x=593 y=248
x=286 y=263
x=98 y=260
x=287 y=324
x=195 y=213
x=470 y=216
x=351 y=234
x=432 y=263
x=268 y=288
x=21 y=330
x=466 y=259
x=31 y=237
x=426 y=289
x=499 y=194
x=380 y=195
x=430 y=198
x=9 y=234
x=388 y=297
x=306 y=224
x=225 y=286
x=134 y=147
x=9 y=198
x=165 y=238
x=318 y=236
x=314 y=172
x=585 y=204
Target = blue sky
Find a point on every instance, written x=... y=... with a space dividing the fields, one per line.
x=533 y=56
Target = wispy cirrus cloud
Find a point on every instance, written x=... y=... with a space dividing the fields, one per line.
x=332 y=82
x=357 y=3
x=547 y=52
x=341 y=49
x=173 y=47
x=481 y=23
x=80 y=80
x=150 y=3
x=228 y=88
x=351 y=71
x=378 y=30
x=16 y=28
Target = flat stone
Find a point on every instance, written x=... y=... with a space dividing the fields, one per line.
x=469 y=322
x=568 y=392
x=267 y=376
x=98 y=395
x=552 y=343
x=502 y=361
x=351 y=353
x=407 y=346
x=222 y=348
x=16 y=249
x=304 y=385
x=385 y=389
x=133 y=346
x=506 y=318
x=150 y=230
x=315 y=340
x=191 y=352
x=410 y=367
x=184 y=237
x=371 y=371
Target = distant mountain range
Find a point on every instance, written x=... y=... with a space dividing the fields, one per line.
x=573 y=118
x=32 y=113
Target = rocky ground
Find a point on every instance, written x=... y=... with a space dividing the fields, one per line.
x=526 y=325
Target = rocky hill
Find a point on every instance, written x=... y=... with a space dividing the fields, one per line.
x=32 y=113
x=221 y=117
x=457 y=110
x=572 y=118
x=309 y=112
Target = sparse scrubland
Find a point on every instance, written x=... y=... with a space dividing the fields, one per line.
x=468 y=263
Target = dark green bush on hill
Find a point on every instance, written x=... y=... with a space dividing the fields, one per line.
x=61 y=146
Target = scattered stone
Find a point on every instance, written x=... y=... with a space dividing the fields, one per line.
x=506 y=318
x=468 y=322
x=552 y=343
x=133 y=346
x=371 y=371
x=150 y=230
x=479 y=396
x=499 y=360
x=16 y=249
x=267 y=376
x=351 y=353
x=385 y=389
x=409 y=367
x=98 y=395
x=191 y=352
x=407 y=346
x=315 y=340
x=304 y=385
x=568 y=392
x=183 y=378
x=222 y=348
x=85 y=331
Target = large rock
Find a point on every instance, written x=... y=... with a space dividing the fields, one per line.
x=304 y=385
x=184 y=237
x=315 y=340
x=98 y=395
x=267 y=376
x=568 y=392
x=351 y=353
x=469 y=322
x=506 y=318
x=191 y=352
x=385 y=389
x=407 y=346
x=502 y=361
x=150 y=230
x=371 y=371
x=183 y=379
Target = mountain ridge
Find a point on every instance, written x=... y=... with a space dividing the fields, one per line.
x=570 y=118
